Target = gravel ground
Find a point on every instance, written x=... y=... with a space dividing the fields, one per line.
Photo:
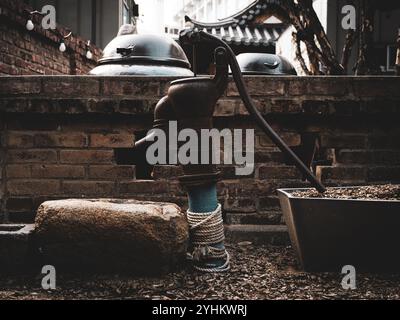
x=380 y=192
x=262 y=272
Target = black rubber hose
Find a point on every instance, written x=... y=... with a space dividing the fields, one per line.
x=248 y=102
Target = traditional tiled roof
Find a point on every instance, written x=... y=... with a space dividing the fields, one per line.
x=243 y=28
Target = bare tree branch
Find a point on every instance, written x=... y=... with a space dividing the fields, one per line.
x=299 y=56
x=351 y=37
x=310 y=31
x=398 y=55
x=366 y=60
x=313 y=22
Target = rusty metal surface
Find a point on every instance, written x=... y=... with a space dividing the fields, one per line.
x=191 y=102
x=328 y=234
x=194 y=36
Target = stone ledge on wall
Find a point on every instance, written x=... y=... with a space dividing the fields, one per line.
x=320 y=96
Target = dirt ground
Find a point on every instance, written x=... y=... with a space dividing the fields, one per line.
x=258 y=272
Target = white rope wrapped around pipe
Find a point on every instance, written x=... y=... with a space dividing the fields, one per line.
x=207 y=230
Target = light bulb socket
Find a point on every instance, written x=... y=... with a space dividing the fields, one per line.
x=89 y=54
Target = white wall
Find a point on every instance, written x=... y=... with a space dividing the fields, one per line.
x=155 y=15
x=321 y=9
x=152 y=15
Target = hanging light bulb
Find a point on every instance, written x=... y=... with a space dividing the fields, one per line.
x=62 y=46
x=89 y=54
x=29 y=25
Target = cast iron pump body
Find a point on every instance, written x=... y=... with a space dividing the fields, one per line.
x=191 y=103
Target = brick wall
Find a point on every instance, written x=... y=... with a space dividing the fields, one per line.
x=70 y=137
x=24 y=52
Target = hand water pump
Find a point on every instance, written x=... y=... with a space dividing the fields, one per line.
x=191 y=102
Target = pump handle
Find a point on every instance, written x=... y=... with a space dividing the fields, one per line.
x=194 y=35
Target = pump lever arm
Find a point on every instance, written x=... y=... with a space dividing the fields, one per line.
x=196 y=36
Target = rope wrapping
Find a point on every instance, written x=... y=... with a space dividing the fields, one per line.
x=207 y=230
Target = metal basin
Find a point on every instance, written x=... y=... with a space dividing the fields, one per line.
x=328 y=234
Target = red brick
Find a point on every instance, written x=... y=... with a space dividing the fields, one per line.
x=89 y=188
x=19 y=139
x=103 y=105
x=227 y=108
x=71 y=86
x=86 y=156
x=134 y=87
x=269 y=203
x=241 y=205
x=293 y=106
x=112 y=140
x=113 y=172
x=262 y=218
x=342 y=174
x=244 y=188
x=137 y=106
x=229 y=172
x=18 y=171
x=262 y=105
x=143 y=187
x=58 y=171
x=290 y=138
x=31 y=156
x=272 y=155
x=63 y=140
x=278 y=172
x=259 y=86
x=166 y=172
x=319 y=86
x=18 y=86
x=33 y=187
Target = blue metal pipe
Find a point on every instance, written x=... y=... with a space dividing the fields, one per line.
x=204 y=199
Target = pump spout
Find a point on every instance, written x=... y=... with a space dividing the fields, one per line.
x=163 y=114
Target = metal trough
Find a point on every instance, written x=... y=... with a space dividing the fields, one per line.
x=328 y=234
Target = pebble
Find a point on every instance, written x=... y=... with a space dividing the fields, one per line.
x=259 y=273
x=377 y=192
